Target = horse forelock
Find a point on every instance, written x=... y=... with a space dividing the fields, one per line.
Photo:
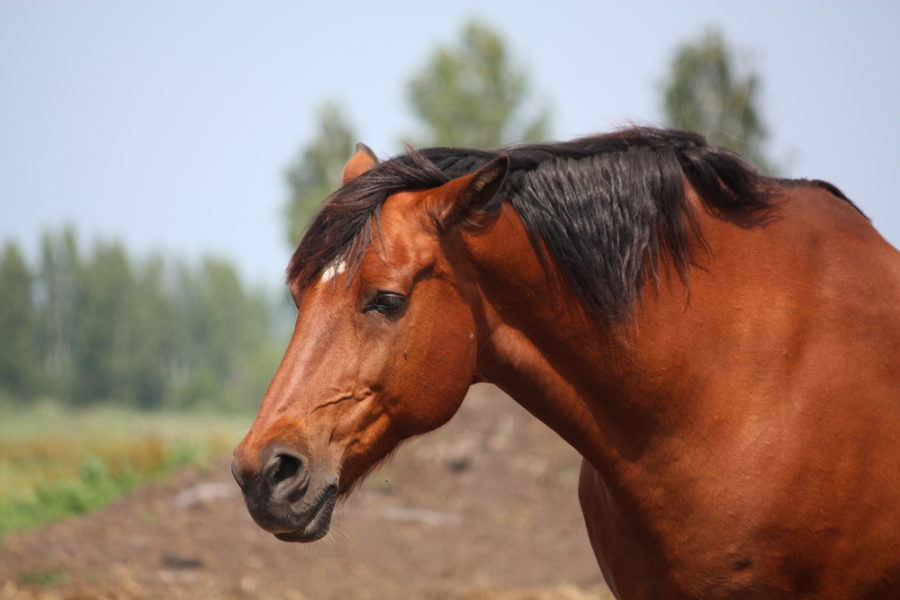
x=343 y=228
x=605 y=206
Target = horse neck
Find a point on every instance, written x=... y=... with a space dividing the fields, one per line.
x=608 y=391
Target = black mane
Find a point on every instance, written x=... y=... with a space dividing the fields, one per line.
x=607 y=207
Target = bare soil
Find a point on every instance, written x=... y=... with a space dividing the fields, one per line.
x=483 y=509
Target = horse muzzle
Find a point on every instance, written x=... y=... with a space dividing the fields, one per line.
x=285 y=497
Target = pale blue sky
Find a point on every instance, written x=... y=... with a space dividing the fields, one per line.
x=169 y=124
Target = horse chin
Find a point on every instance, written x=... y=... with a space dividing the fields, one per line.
x=318 y=523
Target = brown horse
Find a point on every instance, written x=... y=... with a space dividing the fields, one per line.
x=722 y=348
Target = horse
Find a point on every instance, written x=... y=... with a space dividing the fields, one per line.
x=720 y=346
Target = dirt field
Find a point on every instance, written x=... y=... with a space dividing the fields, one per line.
x=483 y=509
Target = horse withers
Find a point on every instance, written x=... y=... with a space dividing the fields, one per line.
x=721 y=347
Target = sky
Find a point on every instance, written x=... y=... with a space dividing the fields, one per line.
x=169 y=124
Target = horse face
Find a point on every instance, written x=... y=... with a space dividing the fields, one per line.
x=378 y=354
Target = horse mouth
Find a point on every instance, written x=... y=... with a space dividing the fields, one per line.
x=315 y=521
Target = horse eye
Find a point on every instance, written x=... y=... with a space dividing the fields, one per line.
x=385 y=302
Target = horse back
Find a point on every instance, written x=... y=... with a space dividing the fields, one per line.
x=846 y=280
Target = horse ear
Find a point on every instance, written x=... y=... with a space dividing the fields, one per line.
x=361 y=161
x=468 y=196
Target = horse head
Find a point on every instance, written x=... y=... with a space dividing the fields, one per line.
x=384 y=348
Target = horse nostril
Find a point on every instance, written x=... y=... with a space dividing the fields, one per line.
x=287 y=468
x=284 y=467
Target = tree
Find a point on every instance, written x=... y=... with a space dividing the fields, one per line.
x=473 y=94
x=317 y=171
x=709 y=92
x=17 y=349
x=108 y=327
x=58 y=288
x=226 y=329
x=152 y=335
x=101 y=344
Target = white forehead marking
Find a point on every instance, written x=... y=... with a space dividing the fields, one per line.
x=332 y=270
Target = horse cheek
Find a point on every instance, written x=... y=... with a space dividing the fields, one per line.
x=437 y=376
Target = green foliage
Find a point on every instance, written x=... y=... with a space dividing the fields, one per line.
x=55 y=463
x=45 y=577
x=108 y=328
x=92 y=488
x=317 y=171
x=18 y=368
x=57 y=286
x=103 y=332
x=707 y=91
x=473 y=94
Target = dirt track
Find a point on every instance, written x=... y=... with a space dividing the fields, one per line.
x=483 y=509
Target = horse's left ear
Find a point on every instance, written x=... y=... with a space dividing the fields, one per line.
x=361 y=161
x=465 y=198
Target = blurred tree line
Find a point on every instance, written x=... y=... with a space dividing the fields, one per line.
x=104 y=326
x=101 y=326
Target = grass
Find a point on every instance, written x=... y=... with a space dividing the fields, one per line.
x=55 y=462
x=45 y=577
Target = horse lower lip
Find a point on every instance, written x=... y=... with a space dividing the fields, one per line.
x=303 y=533
x=300 y=536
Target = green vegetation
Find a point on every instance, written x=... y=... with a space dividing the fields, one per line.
x=102 y=327
x=473 y=94
x=45 y=577
x=56 y=462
